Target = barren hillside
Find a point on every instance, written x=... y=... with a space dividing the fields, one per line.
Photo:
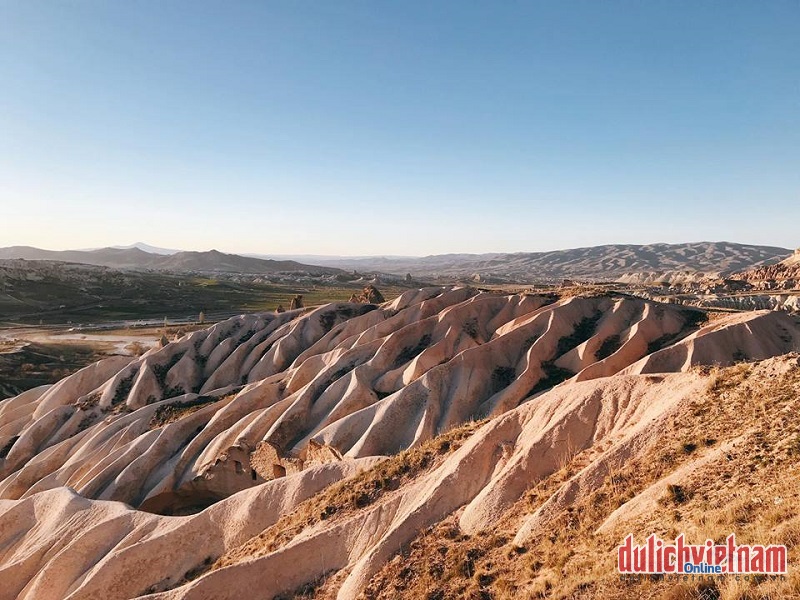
x=626 y=262
x=447 y=444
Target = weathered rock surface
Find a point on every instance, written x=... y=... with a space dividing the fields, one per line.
x=784 y=275
x=369 y=294
x=233 y=426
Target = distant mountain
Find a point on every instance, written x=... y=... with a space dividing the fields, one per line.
x=616 y=262
x=121 y=258
x=147 y=248
x=595 y=263
x=212 y=261
x=326 y=259
x=216 y=261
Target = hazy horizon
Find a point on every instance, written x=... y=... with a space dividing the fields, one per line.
x=297 y=255
x=354 y=129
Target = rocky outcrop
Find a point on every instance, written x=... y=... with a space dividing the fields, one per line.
x=788 y=302
x=785 y=302
x=369 y=295
x=784 y=275
x=359 y=379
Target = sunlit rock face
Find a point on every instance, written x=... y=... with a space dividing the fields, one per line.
x=210 y=439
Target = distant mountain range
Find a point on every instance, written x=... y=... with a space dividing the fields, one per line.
x=610 y=262
x=211 y=261
x=598 y=263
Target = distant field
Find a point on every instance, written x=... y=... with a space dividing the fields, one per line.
x=62 y=297
x=59 y=322
x=30 y=365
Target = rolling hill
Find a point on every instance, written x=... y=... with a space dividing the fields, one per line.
x=212 y=261
x=629 y=263
x=596 y=263
x=58 y=292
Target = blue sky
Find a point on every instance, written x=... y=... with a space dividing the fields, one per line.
x=375 y=127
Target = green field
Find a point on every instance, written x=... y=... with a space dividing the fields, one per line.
x=113 y=296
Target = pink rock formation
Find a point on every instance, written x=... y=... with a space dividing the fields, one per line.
x=228 y=428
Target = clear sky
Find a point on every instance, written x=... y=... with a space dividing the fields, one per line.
x=376 y=127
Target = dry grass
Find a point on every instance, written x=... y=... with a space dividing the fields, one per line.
x=175 y=411
x=752 y=490
x=352 y=494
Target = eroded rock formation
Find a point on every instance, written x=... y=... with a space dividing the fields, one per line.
x=235 y=425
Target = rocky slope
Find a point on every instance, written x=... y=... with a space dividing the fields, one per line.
x=208 y=468
x=787 y=302
x=784 y=275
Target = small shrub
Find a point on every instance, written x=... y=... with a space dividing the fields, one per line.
x=676 y=494
x=410 y=352
x=502 y=377
x=609 y=346
x=470 y=327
